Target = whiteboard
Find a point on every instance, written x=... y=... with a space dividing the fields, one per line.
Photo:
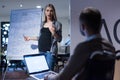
x=23 y=22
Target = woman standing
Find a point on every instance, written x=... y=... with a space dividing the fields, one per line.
x=50 y=34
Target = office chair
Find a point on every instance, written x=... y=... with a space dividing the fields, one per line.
x=118 y=54
x=101 y=65
x=62 y=57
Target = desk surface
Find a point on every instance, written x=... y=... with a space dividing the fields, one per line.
x=17 y=75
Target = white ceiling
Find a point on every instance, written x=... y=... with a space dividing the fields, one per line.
x=61 y=6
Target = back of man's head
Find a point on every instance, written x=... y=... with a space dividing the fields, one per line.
x=92 y=18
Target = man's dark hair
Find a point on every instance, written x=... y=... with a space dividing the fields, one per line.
x=92 y=18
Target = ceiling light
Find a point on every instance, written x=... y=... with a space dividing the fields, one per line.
x=38 y=6
x=4 y=32
x=6 y=28
x=21 y=5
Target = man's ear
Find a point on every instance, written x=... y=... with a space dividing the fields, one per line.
x=83 y=27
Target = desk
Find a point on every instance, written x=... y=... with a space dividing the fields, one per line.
x=22 y=74
x=17 y=75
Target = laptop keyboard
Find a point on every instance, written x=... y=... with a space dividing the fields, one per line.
x=41 y=75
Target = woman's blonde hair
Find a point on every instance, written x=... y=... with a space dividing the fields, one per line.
x=54 y=18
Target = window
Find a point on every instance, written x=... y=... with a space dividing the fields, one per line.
x=4 y=35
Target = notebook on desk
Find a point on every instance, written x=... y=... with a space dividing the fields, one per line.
x=37 y=66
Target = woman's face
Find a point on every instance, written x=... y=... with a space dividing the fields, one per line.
x=49 y=12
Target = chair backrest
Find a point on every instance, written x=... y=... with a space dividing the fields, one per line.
x=61 y=49
x=118 y=54
x=64 y=49
x=101 y=65
x=67 y=49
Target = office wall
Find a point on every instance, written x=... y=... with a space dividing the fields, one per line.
x=111 y=14
x=65 y=28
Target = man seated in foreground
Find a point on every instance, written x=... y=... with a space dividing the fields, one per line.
x=77 y=67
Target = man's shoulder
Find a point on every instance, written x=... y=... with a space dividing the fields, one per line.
x=82 y=45
x=87 y=45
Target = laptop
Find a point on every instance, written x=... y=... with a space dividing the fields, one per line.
x=37 y=66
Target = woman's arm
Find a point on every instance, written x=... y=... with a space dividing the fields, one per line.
x=58 y=31
x=28 y=38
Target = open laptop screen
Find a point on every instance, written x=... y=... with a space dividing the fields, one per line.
x=36 y=63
